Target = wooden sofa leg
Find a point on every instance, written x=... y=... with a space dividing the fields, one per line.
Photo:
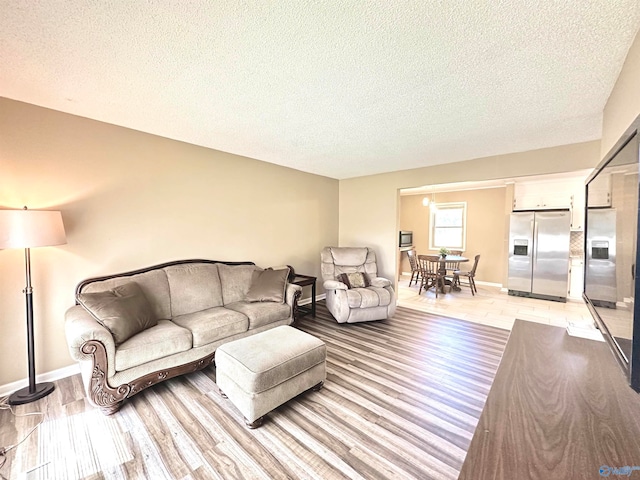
x=318 y=387
x=255 y=424
x=111 y=409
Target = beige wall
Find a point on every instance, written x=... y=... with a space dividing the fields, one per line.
x=130 y=200
x=623 y=105
x=485 y=228
x=370 y=206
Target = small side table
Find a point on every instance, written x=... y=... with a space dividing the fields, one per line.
x=305 y=281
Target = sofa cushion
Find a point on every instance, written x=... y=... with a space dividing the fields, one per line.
x=153 y=283
x=268 y=285
x=368 y=297
x=213 y=324
x=236 y=280
x=123 y=310
x=194 y=287
x=263 y=313
x=165 y=339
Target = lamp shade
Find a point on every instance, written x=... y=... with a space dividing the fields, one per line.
x=31 y=228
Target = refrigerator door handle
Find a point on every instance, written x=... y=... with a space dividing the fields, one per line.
x=534 y=248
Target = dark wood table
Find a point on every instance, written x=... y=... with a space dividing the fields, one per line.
x=559 y=408
x=306 y=281
x=457 y=260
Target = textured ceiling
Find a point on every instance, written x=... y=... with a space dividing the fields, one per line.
x=336 y=87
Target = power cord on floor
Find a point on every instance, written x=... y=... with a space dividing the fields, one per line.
x=4 y=405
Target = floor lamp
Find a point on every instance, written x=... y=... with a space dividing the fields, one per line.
x=27 y=229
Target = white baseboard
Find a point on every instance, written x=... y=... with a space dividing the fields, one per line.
x=9 y=388
x=307 y=301
x=490 y=284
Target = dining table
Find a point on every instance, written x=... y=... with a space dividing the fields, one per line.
x=450 y=259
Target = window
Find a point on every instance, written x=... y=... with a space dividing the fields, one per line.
x=448 y=226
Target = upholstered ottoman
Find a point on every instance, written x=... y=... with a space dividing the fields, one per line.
x=263 y=371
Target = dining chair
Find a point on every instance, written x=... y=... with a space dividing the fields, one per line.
x=430 y=272
x=415 y=270
x=470 y=275
x=451 y=267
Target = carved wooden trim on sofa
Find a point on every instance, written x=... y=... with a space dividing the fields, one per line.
x=110 y=399
x=294 y=305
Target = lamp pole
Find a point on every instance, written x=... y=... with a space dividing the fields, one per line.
x=34 y=391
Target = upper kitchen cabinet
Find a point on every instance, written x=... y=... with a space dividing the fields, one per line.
x=599 y=196
x=542 y=195
x=600 y=192
x=557 y=193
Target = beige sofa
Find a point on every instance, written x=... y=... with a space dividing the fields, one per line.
x=132 y=330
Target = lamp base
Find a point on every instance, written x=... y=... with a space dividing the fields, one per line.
x=23 y=395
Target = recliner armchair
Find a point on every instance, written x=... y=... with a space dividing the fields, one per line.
x=355 y=298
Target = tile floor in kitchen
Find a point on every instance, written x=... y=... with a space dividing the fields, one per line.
x=491 y=306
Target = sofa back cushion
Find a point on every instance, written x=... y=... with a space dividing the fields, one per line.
x=194 y=287
x=236 y=280
x=154 y=285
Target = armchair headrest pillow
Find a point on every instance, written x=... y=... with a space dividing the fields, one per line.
x=349 y=256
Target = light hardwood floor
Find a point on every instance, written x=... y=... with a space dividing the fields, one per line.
x=491 y=306
x=401 y=400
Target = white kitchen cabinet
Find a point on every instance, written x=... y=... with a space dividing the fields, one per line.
x=577 y=210
x=600 y=192
x=576 y=278
x=542 y=195
x=526 y=202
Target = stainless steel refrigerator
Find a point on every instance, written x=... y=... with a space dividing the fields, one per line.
x=600 y=266
x=539 y=246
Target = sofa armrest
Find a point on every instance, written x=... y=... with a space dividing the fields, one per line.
x=334 y=285
x=80 y=328
x=292 y=294
x=380 y=282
